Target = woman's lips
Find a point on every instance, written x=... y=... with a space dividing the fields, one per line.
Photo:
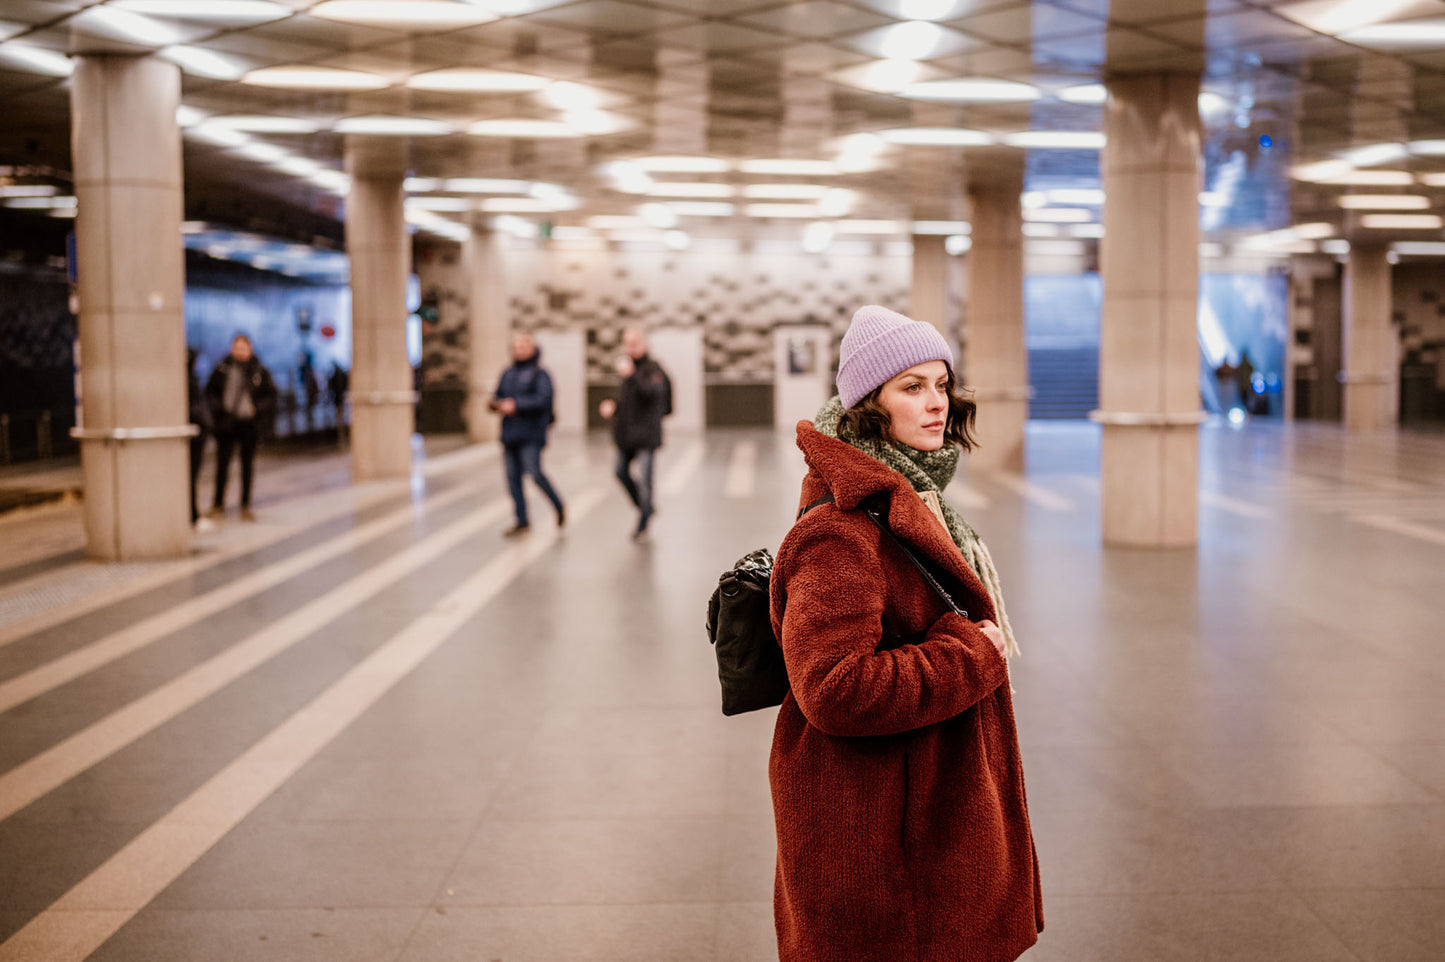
x=933 y=426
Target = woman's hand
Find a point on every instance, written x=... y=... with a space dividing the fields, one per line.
x=607 y=408
x=995 y=635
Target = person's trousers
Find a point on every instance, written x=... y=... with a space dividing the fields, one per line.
x=242 y=435
x=638 y=485
x=198 y=451
x=525 y=460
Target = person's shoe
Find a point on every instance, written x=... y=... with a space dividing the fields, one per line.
x=516 y=530
x=204 y=525
x=561 y=517
x=247 y=514
x=642 y=521
x=216 y=512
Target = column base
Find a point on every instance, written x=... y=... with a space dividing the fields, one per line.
x=1150 y=485
x=381 y=437
x=1367 y=405
x=1000 y=431
x=137 y=498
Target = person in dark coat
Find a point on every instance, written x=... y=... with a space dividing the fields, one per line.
x=241 y=396
x=644 y=399
x=200 y=417
x=524 y=399
x=898 y=790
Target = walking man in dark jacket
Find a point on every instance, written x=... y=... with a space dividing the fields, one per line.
x=524 y=399
x=241 y=397
x=643 y=401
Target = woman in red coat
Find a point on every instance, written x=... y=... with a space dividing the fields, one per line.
x=898 y=793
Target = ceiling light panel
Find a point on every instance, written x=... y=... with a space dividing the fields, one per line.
x=523 y=129
x=485 y=185
x=785 y=191
x=1409 y=33
x=692 y=190
x=876 y=227
x=264 y=124
x=975 y=90
x=784 y=167
x=119 y=24
x=393 y=126
x=936 y=137
x=1059 y=215
x=315 y=78
x=1375 y=154
x=24 y=56
x=421 y=14
x=809 y=211
x=682 y=165
x=477 y=81
x=941 y=227
x=1057 y=139
x=1384 y=202
x=701 y=208
x=517 y=205
x=1401 y=221
x=218 y=11
x=204 y=63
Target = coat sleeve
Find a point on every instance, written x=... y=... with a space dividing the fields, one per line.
x=538 y=397
x=832 y=623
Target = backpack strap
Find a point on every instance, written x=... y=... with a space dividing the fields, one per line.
x=825 y=499
x=877 y=511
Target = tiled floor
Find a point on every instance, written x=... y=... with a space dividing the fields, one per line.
x=433 y=744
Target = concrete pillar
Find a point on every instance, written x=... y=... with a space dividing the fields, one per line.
x=1148 y=351
x=134 y=432
x=488 y=328
x=383 y=397
x=997 y=361
x=1368 y=381
x=928 y=298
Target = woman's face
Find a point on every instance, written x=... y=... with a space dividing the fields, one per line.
x=917 y=405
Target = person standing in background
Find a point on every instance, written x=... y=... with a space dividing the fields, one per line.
x=524 y=399
x=200 y=417
x=643 y=401
x=241 y=395
x=337 y=385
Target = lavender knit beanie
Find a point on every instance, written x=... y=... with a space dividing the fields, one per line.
x=881 y=344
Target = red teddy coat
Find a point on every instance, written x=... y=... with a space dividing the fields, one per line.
x=903 y=833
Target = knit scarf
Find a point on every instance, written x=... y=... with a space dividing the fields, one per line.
x=929 y=471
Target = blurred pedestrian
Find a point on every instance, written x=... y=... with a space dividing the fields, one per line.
x=644 y=399
x=336 y=385
x=200 y=416
x=242 y=396
x=524 y=399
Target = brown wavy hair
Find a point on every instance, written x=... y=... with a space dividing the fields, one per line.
x=868 y=419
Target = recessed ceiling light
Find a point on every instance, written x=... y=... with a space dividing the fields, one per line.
x=125 y=25
x=782 y=210
x=1084 y=196
x=676 y=240
x=616 y=222
x=28 y=190
x=1057 y=139
x=927 y=9
x=485 y=185
x=883 y=76
x=817 y=236
x=473 y=80
x=298 y=166
x=220 y=136
x=658 y=215
x=1420 y=248
x=1335 y=247
x=40 y=203
x=402 y=13
x=701 y=208
x=523 y=129
x=439 y=203
x=879 y=227
x=1401 y=221
x=595 y=122
x=1404 y=33
x=333 y=180
x=785 y=191
x=803 y=168
x=393 y=126
x=1085 y=94
x=36 y=59
x=957 y=244
x=1373 y=178
x=1433 y=180
x=691 y=190
x=1348 y=15
x=204 y=63
x=1059 y=215
x=910 y=40
x=1384 y=202
x=941 y=227
x=682 y=165
x=266 y=153
x=567 y=95
x=973 y=90
x=1315 y=230
x=1031 y=229
x=231 y=11
x=188 y=116
x=517 y=205
x=315 y=78
x=937 y=137
x=1375 y=154
x=1427 y=148
x=264 y=124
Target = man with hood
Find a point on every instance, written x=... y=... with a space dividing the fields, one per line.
x=524 y=399
x=242 y=397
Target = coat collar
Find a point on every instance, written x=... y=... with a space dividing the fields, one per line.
x=851 y=476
